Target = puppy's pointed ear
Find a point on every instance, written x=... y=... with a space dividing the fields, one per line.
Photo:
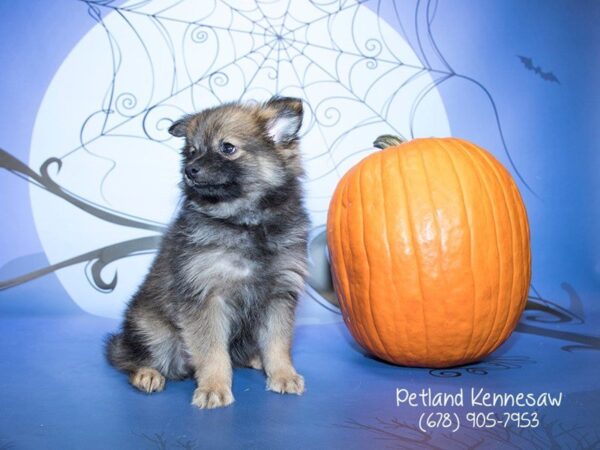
x=286 y=119
x=179 y=127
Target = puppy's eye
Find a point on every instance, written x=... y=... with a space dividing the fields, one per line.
x=192 y=150
x=228 y=148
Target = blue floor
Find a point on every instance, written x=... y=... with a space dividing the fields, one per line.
x=57 y=392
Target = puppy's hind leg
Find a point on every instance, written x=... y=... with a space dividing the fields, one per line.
x=149 y=350
x=123 y=353
x=147 y=380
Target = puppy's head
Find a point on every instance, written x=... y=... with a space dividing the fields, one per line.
x=238 y=152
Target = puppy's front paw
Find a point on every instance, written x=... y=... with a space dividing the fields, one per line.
x=212 y=397
x=286 y=383
x=147 y=380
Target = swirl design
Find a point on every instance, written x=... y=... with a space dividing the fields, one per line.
x=483 y=368
x=199 y=35
x=125 y=103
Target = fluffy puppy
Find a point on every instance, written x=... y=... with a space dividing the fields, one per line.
x=223 y=288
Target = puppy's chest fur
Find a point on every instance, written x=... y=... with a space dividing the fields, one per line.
x=229 y=261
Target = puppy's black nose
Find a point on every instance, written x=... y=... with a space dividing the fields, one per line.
x=192 y=170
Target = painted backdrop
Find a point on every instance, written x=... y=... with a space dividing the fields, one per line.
x=89 y=177
x=88 y=181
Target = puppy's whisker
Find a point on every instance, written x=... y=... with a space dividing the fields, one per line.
x=188 y=180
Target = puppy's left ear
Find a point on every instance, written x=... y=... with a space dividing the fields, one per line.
x=286 y=119
x=179 y=127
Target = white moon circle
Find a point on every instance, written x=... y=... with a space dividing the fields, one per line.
x=106 y=112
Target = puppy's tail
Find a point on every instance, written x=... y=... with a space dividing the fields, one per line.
x=115 y=351
x=113 y=347
x=120 y=353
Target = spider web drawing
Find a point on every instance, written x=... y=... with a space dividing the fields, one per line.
x=353 y=86
x=155 y=60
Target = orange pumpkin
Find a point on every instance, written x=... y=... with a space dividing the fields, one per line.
x=430 y=253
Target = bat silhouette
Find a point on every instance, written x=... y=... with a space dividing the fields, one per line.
x=528 y=63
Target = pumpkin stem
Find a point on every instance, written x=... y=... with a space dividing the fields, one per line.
x=388 y=140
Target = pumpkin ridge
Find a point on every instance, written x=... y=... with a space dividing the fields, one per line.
x=483 y=182
x=469 y=228
x=340 y=274
x=525 y=238
x=389 y=255
x=416 y=253
x=507 y=322
x=439 y=229
x=374 y=327
x=358 y=327
x=339 y=260
x=524 y=221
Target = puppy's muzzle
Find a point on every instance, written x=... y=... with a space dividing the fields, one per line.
x=190 y=173
x=200 y=177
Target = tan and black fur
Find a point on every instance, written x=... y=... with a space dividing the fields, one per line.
x=223 y=288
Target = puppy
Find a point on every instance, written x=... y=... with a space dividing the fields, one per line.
x=223 y=288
